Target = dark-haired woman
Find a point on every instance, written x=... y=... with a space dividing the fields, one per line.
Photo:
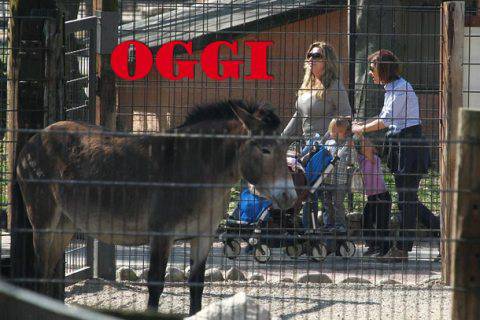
x=408 y=156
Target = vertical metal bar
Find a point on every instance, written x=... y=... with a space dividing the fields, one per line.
x=89 y=247
x=352 y=29
x=105 y=106
x=92 y=76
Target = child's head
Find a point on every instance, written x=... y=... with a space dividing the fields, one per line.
x=340 y=127
x=364 y=146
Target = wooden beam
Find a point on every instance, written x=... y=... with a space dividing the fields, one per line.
x=466 y=222
x=54 y=96
x=451 y=86
x=27 y=104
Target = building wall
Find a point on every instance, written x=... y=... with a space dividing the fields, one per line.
x=159 y=104
x=155 y=104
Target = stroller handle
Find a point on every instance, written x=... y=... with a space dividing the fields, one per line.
x=329 y=168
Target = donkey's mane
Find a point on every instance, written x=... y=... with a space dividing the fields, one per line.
x=223 y=111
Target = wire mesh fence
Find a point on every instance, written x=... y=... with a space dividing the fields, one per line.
x=201 y=173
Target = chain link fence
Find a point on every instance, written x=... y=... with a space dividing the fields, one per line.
x=374 y=250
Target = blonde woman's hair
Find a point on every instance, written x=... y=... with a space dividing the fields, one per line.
x=330 y=73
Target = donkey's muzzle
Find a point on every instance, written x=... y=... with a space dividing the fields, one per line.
x=285 y=198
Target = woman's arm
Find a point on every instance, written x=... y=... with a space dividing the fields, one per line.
x=369 y=126
x=294 y=125
x=394 y=108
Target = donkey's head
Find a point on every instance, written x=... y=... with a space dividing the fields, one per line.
x=263 y=160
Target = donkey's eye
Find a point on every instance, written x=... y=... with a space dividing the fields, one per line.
x=265 y=150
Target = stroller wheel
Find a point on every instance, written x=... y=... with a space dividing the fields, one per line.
x=231 y=249
x=347 y=249
x=294 y=251
x=262 y=253
x=318 y=252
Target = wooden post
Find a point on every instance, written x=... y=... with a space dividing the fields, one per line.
x=104 y=260
x=32 y=31
x=54 y=92
x=451 y=86
x=105 y=112
x=466 y=222
x=352 y=30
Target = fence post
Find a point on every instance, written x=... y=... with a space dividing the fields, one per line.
x=107 y=39
x=103 y=260
x=54 y=96
x=27 y=108
x=451 y=85
x=466 y=222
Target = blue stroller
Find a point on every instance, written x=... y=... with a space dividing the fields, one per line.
x=263 y=227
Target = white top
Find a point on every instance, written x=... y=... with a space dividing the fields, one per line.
x=400 y=106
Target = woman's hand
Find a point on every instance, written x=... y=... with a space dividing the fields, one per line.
x=357 y=129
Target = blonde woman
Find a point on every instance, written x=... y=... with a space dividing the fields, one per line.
x=321 y=98
x=322 y=95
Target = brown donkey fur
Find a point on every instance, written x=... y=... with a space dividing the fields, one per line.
x=139 y=189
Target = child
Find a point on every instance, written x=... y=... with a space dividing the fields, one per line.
x=379 y=202
x=335 y=184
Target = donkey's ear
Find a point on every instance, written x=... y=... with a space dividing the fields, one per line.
x=250 y=122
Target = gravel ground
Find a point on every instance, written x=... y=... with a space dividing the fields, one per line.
x=429 y=300
x=417 y=294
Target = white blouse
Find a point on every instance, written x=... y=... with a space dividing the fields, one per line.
x=400 y=106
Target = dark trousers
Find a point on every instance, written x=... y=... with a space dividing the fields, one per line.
x=411 y=209
x=376 y=215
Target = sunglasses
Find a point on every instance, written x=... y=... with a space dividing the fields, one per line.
x=314 y=55
x=371 y=68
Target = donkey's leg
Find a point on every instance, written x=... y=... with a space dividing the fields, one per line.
x=159 y=253
x=49 y=249
x=43 y=216
x=42 y=242
x=199 y=248
x=60 y=242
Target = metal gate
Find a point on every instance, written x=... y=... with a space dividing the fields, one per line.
x=80 y=76
x=80 y=50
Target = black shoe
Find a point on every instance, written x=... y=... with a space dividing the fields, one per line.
x=394 y=255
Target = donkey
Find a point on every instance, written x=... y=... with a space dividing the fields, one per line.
x=138 y=189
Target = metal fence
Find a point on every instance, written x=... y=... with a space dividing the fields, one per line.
x=291 y=266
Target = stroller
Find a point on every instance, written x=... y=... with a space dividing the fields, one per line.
x=263 y=227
